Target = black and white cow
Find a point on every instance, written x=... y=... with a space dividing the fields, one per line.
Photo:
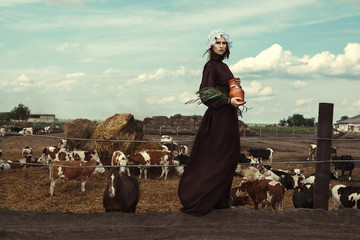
x=343 y=166
x=303 y=196
x=262 y=154
x=345 y=196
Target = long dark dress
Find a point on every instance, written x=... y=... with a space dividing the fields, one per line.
x=207 y=179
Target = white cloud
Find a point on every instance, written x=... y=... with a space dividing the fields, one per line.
x=256 y=89
x=68 y=47
x=300 y=84
x=276 y=61
x=300 y=102
x=163 y=100
x=356 y=103
x=161 y=73
x=186 y=96
x=65 y=85
x=74 y=75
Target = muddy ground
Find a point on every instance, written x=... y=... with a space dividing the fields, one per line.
x=28 y=212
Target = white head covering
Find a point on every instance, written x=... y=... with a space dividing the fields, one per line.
x=216 y=34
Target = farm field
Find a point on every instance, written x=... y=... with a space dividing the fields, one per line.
x=27 y=190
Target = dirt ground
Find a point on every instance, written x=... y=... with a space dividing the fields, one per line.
x=28 y=212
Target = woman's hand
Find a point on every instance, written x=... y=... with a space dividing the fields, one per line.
x=237 y=101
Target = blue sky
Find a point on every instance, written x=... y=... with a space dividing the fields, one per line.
x=94 y=58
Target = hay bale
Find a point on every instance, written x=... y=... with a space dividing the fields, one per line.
x=118 y=127
x=79 y=128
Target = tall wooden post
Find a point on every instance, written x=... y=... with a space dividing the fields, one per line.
x=322 y=177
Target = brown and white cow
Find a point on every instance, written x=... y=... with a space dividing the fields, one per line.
x=148 y=158
x=27 y=151
x=17 y=164
x=60 y=154
x=120 y=159
x=264 y=192
x=69 y=170
x=313 y=149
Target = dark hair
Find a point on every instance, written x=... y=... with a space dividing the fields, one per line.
x=211 y=52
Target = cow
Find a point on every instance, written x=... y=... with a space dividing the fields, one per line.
x=28 y=130
x=345 y=196
x=119 y=159
x=4 y=165
x=60 y=154
x=121 y=193
x=47 y=129
x=238 y=198
x=313 y=149
x=343 y=166
x=285 y=179
x=303 y=196
x=62 y=144
x=2 y=132
x=183 y=149
x=181 y=160
x=27 y=151
x=268 y=173
x=262 y=154
x=148 y=158
x=168 y=143
x=17 y=164
x=264 y=192
x=248 y=172
x=69 y=170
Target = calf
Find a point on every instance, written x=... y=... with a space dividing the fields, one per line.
x=262 y=154
x=27 y=151
x=238 y=198
x=181 y=160
x=345 y=196
x=264 y=191
x=60 y=154
x=148 y=158
x=313 y=149
x=121 y=193
x=17 y=164
x=47 y=129
x=119 y=158
x=28 y=130
x=2 y=132
x=183 y=149
x=268 y=173
x=248 y=172
x=343 y=166
x=285 y=179
x=69 y=170
x=303 y=196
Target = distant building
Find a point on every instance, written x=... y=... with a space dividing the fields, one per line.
x=350 y=125
x=41 y=118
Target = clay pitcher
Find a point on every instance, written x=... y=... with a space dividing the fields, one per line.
x=236 y=90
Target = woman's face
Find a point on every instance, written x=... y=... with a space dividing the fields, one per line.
x=220 y=46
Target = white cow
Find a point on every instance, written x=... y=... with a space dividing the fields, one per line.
x=28 y=130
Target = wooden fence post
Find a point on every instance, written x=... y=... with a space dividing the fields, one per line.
x=322 y=177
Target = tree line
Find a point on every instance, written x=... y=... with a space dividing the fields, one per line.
x=298 y=120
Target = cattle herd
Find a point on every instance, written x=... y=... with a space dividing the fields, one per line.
x=260 y=182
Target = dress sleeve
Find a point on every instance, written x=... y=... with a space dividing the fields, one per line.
x=208 y=81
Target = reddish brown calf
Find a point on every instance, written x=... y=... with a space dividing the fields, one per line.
x=264 y=191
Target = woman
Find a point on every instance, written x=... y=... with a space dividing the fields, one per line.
x=208 y=175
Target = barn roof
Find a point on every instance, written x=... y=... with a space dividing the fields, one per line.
x=353 y=120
